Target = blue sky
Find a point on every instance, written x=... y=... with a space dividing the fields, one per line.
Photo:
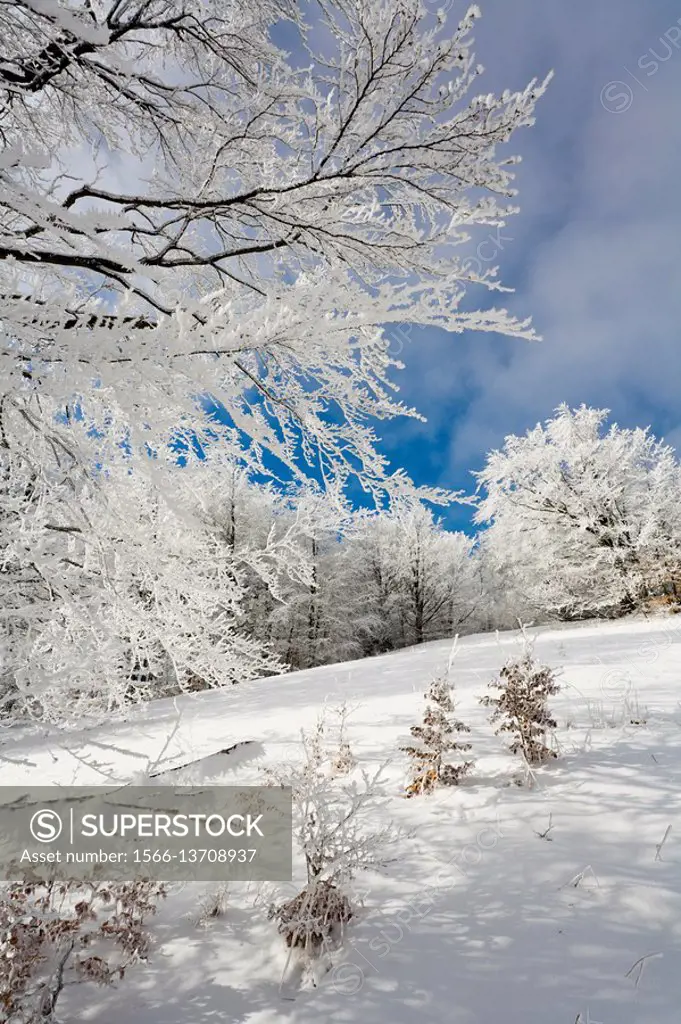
x=594 y=255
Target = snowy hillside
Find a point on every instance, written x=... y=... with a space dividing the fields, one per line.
x=479 y=919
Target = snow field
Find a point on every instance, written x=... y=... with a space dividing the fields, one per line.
x=477 y=918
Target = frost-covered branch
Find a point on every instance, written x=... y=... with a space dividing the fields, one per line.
x=265 y=216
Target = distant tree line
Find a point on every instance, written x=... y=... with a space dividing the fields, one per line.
x=120 y=585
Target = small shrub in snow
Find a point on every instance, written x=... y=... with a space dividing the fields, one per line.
x=344 y=761
x=522 y=706
x=57 y=932
x=619 y=713
x=333 y=831
x=434 y=742
x=634 y=713
x=314 y=919
x=212 y=905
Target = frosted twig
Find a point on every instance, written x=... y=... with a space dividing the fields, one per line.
x=152 y=765
x=579 y=878
x=545 y=835
x=659 y=846
x=640 y=963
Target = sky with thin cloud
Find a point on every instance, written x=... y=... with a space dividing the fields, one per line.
x=594 y=255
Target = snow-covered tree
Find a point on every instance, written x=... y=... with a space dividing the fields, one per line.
x=367 y=581
x=379 y=581
x=187 y=210
x=308 y=625
x=420 y=577
x=124 y=583
x=502 y=593
x=199 y=228
x=434 y=573
x=586 y=520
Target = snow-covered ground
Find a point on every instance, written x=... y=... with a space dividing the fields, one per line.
x=478 y=920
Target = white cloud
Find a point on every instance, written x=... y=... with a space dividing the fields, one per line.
x=596 y=252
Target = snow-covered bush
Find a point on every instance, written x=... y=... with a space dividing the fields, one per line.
x=54 y=933
x=314 y=919
x=333 y=831
x=435 y=742
x=211 y=905
x=522 y=708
